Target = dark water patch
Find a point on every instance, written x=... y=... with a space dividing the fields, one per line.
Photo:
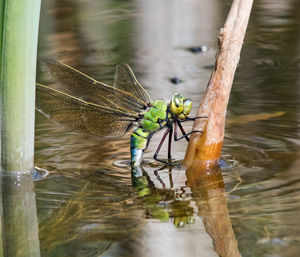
x=197 y=49
x=175 y=80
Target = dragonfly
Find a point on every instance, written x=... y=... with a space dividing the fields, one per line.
x=92 y=107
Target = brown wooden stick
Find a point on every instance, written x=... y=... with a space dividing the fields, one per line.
x=207 y=147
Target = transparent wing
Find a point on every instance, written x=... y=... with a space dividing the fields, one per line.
x=82 y=116
x=125 y=80
x=79 y=85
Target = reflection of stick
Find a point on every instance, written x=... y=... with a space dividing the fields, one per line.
x=207 y=147
x=212 y=207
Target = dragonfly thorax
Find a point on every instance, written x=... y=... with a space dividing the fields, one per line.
x=156 y=116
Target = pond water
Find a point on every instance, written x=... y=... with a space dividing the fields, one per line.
x=87 y=206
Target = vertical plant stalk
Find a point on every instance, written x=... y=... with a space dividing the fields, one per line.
x=1 y=25
x=18 y=71
x=1 y=209
x=19 y=35
x=1 y=34
x=205 y=149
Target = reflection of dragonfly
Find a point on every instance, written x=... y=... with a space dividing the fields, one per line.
x=92 y=107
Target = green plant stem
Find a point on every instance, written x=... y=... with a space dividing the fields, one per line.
x=18 y=68
x=1 y=25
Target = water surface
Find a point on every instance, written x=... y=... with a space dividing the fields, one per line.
x=87 y=205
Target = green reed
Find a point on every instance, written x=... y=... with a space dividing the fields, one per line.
x=19 y=34
x=19 y=22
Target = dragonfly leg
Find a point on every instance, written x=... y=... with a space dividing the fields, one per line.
x=177 y=123
x=194 y=118
x=170 y=144
x=159 y=179
x=185 y=135
x=159 y=147
x=170 y=167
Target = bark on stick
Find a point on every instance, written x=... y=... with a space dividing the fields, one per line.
x=205 y=148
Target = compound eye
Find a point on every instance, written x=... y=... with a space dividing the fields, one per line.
x=187 y=106
x=177 y=103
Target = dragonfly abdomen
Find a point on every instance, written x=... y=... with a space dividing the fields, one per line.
x=138 y=143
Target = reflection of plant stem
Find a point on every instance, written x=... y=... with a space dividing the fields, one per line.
x=19 y=217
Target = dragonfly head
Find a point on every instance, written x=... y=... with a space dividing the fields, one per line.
x=180 y=106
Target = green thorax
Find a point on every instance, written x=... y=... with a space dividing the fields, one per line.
x=156 y=116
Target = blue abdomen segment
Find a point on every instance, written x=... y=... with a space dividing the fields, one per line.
x=136 y=153
x=138 y=143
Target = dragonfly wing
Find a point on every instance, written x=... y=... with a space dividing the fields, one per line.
x=80 y=85
x=125 y=80
x=81 y=116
